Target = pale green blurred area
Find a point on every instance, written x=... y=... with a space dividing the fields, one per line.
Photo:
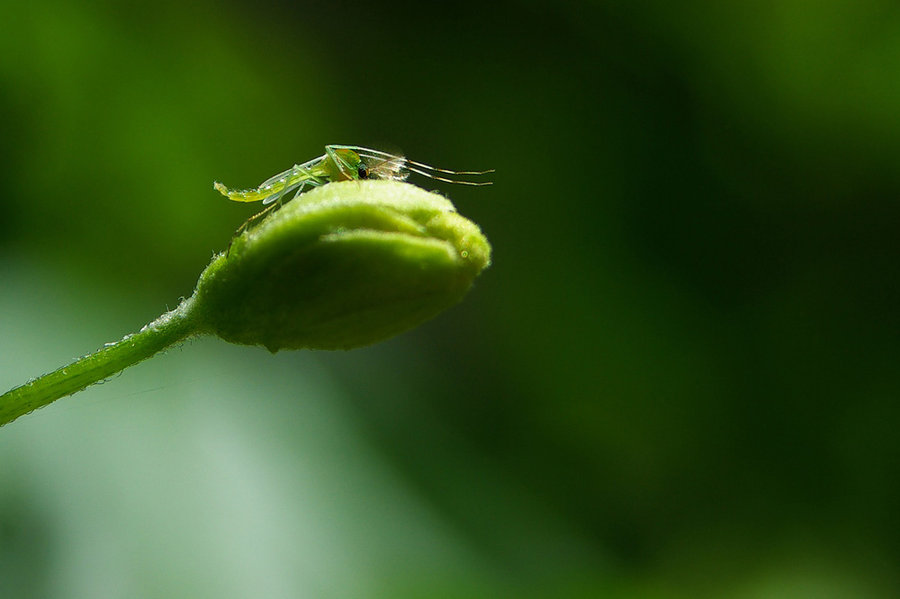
x=679 y=378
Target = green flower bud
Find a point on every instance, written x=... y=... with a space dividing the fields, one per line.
x=342 y=266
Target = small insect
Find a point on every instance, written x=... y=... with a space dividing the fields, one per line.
x=338 y=163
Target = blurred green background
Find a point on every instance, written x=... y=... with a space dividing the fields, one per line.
x=679 y=378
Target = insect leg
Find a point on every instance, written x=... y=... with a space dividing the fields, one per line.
x=276 y=199
x=346 y=169
x=249 y=222
x=307 y=178
x=299 y=190
x=311 y=179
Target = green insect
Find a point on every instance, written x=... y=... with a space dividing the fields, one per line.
x=338 y=163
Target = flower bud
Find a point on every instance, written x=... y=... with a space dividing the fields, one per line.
x=344 y=265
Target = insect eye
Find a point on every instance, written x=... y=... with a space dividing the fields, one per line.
x=362 y=171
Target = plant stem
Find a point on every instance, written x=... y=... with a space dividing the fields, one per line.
x=163 y=332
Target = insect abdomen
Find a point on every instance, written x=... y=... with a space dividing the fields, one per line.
x=243 y=195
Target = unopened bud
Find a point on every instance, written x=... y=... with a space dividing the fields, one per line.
x=342 y=266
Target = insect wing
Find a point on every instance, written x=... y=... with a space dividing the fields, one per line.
x=287 y=181
x=280 y=193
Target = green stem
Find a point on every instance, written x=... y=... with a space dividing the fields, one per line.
x=163 y=332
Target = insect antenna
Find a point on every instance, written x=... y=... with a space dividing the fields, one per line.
x=388 y=166
x=422 y=168
x=444 y=179
x=449 y=172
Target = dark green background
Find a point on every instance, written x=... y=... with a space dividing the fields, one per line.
x=679 y=378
